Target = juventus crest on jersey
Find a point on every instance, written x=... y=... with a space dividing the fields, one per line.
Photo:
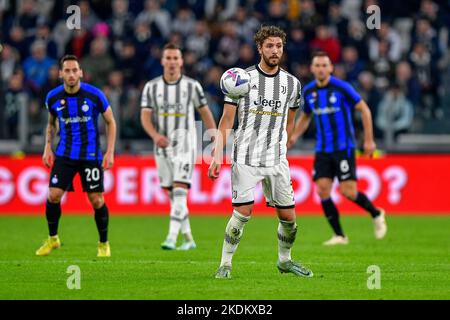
x=261 y=137
x=173 y=106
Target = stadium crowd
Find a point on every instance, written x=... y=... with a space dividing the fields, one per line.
x=400 y=69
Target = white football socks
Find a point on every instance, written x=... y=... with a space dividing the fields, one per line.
x=178 y=211
x=287 y=231
x=233 y=234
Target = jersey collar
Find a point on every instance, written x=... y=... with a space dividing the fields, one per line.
x=266 y=74
x=172 y=83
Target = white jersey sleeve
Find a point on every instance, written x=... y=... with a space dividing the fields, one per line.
x=146 y=98
x=295 y=100
x=199 y=99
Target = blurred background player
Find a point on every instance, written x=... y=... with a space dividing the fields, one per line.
x=171 y=100
x=74 y=107
x=266 y=115
x=332 y=102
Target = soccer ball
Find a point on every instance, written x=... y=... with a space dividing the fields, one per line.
x=235 y=83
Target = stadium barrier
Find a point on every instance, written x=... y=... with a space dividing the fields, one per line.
x=402 y=184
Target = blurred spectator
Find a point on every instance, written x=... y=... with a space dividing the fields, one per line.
x=36 y=67
x=337 y=22
x=391 y=37
x=309 y=18
x=424 y=33
x=395 y=112
x=352 y=64
x=88 y=17
x=408 y=82
x=80 y=43
x=129 y=65
x=98 y=64
x=369 y=93
x=247 y=56
x=297 y=48
x=213 y=93
x=351 y=9
x=430 y=11
x=121 y=21
x=339 y=71
x=43 y=34
x=18 y=41
x=277 y=15
x=27 y=17
x=192 y=67
x=227 y=52
x=222 y=10
x=143 y=40
x=246 y=24
x=356 y=37
x=184 y=22
x=52 y=82
x=101 y=29
x=15 y=99
x=62 y=35
x=326 y=42
x=303 y=72
x=198 y=41
x=9 y=62
x=426 y=73
x=153 y=14
x=382 y=67
x=152 y=64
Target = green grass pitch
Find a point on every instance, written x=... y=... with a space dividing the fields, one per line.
x=414 y=260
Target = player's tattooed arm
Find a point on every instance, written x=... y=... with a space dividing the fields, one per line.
x=108 y=159
x=366 y=117
x=48 y=157
x=146 y=121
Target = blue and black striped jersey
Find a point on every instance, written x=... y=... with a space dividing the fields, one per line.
x=332 y=107
x=77 y=115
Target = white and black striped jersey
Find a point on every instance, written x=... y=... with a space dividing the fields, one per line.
x=173 y=107
x=261 y=137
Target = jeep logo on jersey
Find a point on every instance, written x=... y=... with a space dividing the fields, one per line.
x=264 y=102
x=177 y=107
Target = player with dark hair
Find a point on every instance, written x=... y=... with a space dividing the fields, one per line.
x=331 y=101
x=74 y=107
x=168 y=106
x=266 y=116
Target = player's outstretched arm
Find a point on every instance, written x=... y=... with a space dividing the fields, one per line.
x=225 y=125
x=366 y=117
x=146 y=121
x=49 y=157
x=299 y=128
x=108 y=159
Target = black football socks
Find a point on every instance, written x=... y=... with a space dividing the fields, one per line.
x=364 y=202
x=332 y=215
x=53 y=213
x=102 y=219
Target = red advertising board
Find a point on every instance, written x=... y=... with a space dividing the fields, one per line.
x=402 y=184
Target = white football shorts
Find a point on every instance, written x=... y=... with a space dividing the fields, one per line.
x=176 y=169
x=276 y=183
